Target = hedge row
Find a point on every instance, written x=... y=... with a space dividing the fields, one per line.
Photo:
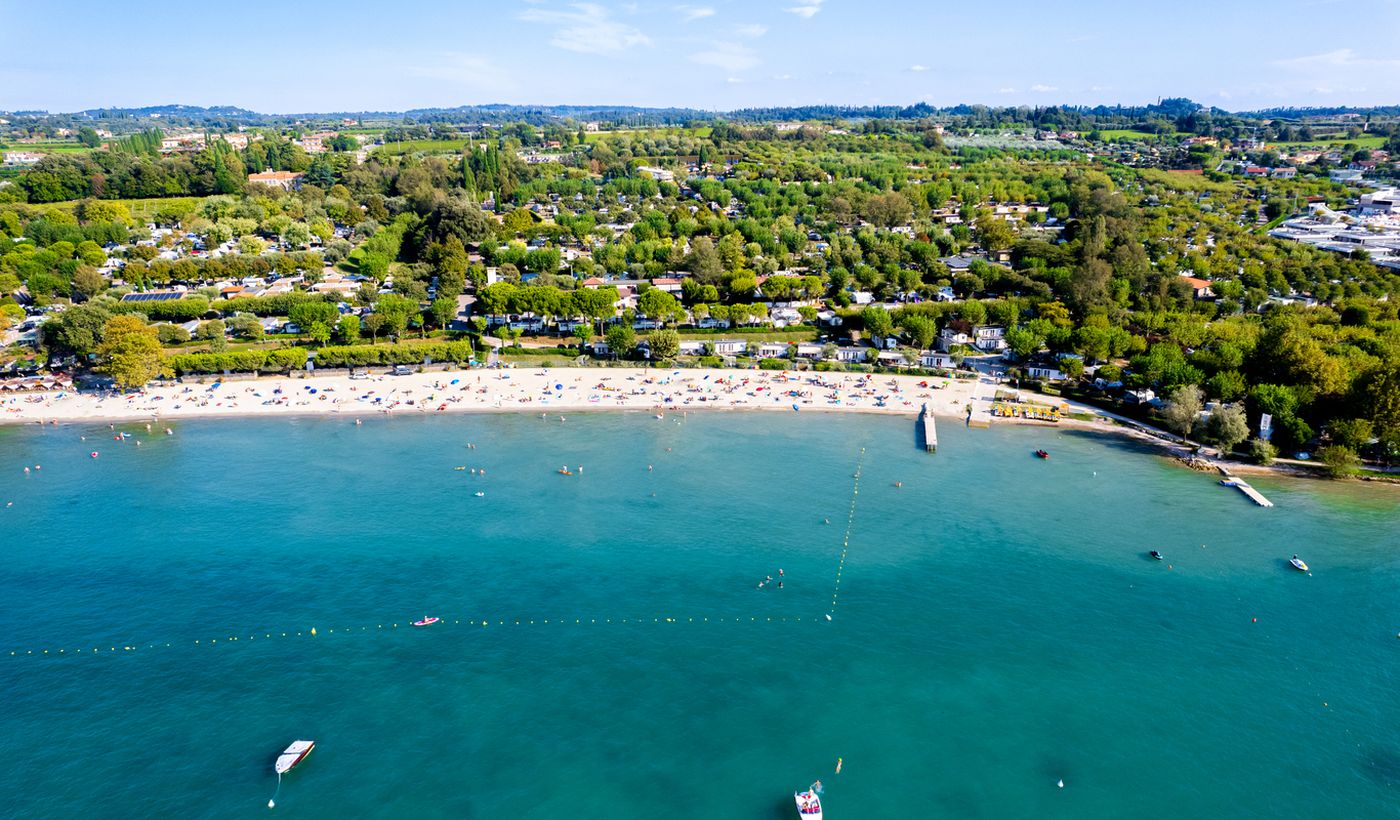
x=570 y=352
x=364 y=355
x=240 y=361
x=742 y=330
x=276 y=305
x=175 y=310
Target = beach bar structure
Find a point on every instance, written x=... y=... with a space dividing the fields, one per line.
x=930 y=432
x=33 y=384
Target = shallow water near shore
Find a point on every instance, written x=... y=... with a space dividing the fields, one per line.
x=998 y=627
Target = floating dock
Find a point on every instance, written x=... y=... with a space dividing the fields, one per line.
x=1243 y=486
x=930 y=432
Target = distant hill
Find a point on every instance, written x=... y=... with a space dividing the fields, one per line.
x=1328 y=111
x=183 y=112
x=1180 y=110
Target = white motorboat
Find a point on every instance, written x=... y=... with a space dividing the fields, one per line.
x=809 y=804
x=1298 y=564
x=293 y=755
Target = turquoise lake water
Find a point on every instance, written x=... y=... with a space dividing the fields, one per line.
x=999 y=626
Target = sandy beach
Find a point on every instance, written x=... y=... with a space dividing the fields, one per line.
x=551 y=391
x=561 y=391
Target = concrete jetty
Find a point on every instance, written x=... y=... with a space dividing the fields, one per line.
x=930 y=432
x=1244 y=487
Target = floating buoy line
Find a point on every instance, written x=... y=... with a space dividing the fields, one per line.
x=480 y=623
x=472 y=623
x=846 y=539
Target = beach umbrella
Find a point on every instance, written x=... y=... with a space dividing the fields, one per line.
x=558 y=387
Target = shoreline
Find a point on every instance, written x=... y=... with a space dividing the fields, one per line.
x=514 y=390
x=578 y=390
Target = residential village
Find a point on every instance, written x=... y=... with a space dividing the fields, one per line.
x=903 y=246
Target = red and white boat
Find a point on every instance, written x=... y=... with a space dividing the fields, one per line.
x=293 y=755
x=426 y=622
x=809 y=804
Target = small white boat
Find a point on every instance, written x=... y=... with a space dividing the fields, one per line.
x=1298 y=564
x=809 y=805
x=293 y=755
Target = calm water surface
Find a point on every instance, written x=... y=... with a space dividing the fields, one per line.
x=998 y=627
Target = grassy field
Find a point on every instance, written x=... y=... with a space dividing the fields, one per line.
x=1130 y=134
x=395 y=149
x=1368 y=142
x=1183 y=182
x=47 y=147
x=648 y=133
x=141 y=209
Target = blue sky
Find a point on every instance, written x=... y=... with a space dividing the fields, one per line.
x=317 y=55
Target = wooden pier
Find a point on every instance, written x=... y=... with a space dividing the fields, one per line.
x=1244 y=487
x=930 y=432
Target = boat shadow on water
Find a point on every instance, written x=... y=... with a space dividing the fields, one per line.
x=1382 y=765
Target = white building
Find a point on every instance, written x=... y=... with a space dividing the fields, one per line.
x=950 y=337
x=1385 y=201
x=990 y=338
x=934 y=360
x=22 y=157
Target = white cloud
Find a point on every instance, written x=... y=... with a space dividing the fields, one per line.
x=690 y=14
x=1041 y=88
x=1006 y=90
x=917 y=67
x=731 y=57
x=806 y=9
x=588 y=29
x=468 y=70
x=751 y=30
x=782 y=77
x=1341 y=58
x=734 y=80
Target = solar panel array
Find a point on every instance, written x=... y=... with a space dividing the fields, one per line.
x=151 y=297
